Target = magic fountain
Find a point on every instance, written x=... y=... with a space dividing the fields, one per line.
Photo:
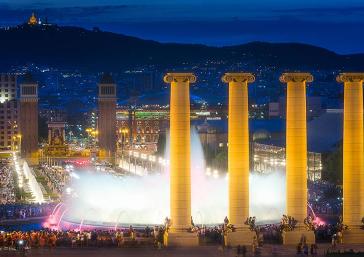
x=98 y=200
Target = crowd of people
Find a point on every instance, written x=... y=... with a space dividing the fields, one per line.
x=23 y=211
x=96 y=238
x=7 y=183
x=55 y=178
x=325 y=198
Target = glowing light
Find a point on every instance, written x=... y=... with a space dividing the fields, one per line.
x=145 y=199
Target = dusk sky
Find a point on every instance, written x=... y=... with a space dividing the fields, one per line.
x=336 y=25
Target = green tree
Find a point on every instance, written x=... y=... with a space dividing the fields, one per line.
x=161 y=145
x=332 y=165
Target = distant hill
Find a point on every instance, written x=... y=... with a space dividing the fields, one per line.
x=72 y=47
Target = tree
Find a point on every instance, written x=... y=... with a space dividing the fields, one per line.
x=332 y=165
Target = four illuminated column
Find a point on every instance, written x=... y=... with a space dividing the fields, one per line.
x=238 y=157
x=353 y=156
x=180 y=163
x=296 y=154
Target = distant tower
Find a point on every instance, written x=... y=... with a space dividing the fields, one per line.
x=32 y=20
x=107 y=118
x=29 y=119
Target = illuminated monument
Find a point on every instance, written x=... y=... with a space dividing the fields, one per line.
x=107 y=118
x=32 y=20
x=353 y=162
x=180 y=161
x=296 y=155
x=238 y=158
x=56 y=139
x=29 y=119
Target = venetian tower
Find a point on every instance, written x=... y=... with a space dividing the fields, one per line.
x=107 y=118
x=28 y=119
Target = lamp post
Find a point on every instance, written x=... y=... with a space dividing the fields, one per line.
x=123 y=132
x=17 y=140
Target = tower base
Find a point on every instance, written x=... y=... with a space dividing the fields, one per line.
x=296 y=236
x=176 y=239
x=354 y=235
x=242 y=237
x=33 y=161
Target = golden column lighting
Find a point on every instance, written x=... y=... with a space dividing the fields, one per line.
x=353 y=156
x=296 y=155
x=238 y=157
x=180 y=167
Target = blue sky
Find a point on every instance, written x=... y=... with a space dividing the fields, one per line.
x=336 y=25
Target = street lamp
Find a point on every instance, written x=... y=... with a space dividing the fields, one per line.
x=17 y=140
x=122 y=134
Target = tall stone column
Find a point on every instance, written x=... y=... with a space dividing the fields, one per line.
x=28 y=119
x=353 y=156
x=180 y=164
x=107 y=118
x=238 y=157
x=296 y=155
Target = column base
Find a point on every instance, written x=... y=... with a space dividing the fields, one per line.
x=296 y=236
x=177 y=239
x=354 y=235
x=242 y=237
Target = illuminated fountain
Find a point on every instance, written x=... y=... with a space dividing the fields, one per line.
x=108 y=201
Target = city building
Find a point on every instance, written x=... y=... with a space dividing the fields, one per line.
x=270 y=158
x=314 y=107
x=266 y=144
x=141 y=128
x=9 y=130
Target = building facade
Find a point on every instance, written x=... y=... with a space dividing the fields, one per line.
x=9 y=113
x=141 y=129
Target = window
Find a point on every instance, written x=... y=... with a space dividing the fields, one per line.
x=107 y=90
x=29 y=90
x=147 y=138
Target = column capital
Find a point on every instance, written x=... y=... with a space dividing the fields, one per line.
x=238 y=77
x=350 y=77
x=179 y=77
x=296 y=77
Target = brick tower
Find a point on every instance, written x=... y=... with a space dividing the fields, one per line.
x=28 y=119
x=107 y=118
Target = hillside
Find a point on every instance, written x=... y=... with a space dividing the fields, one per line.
x=72 y=47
